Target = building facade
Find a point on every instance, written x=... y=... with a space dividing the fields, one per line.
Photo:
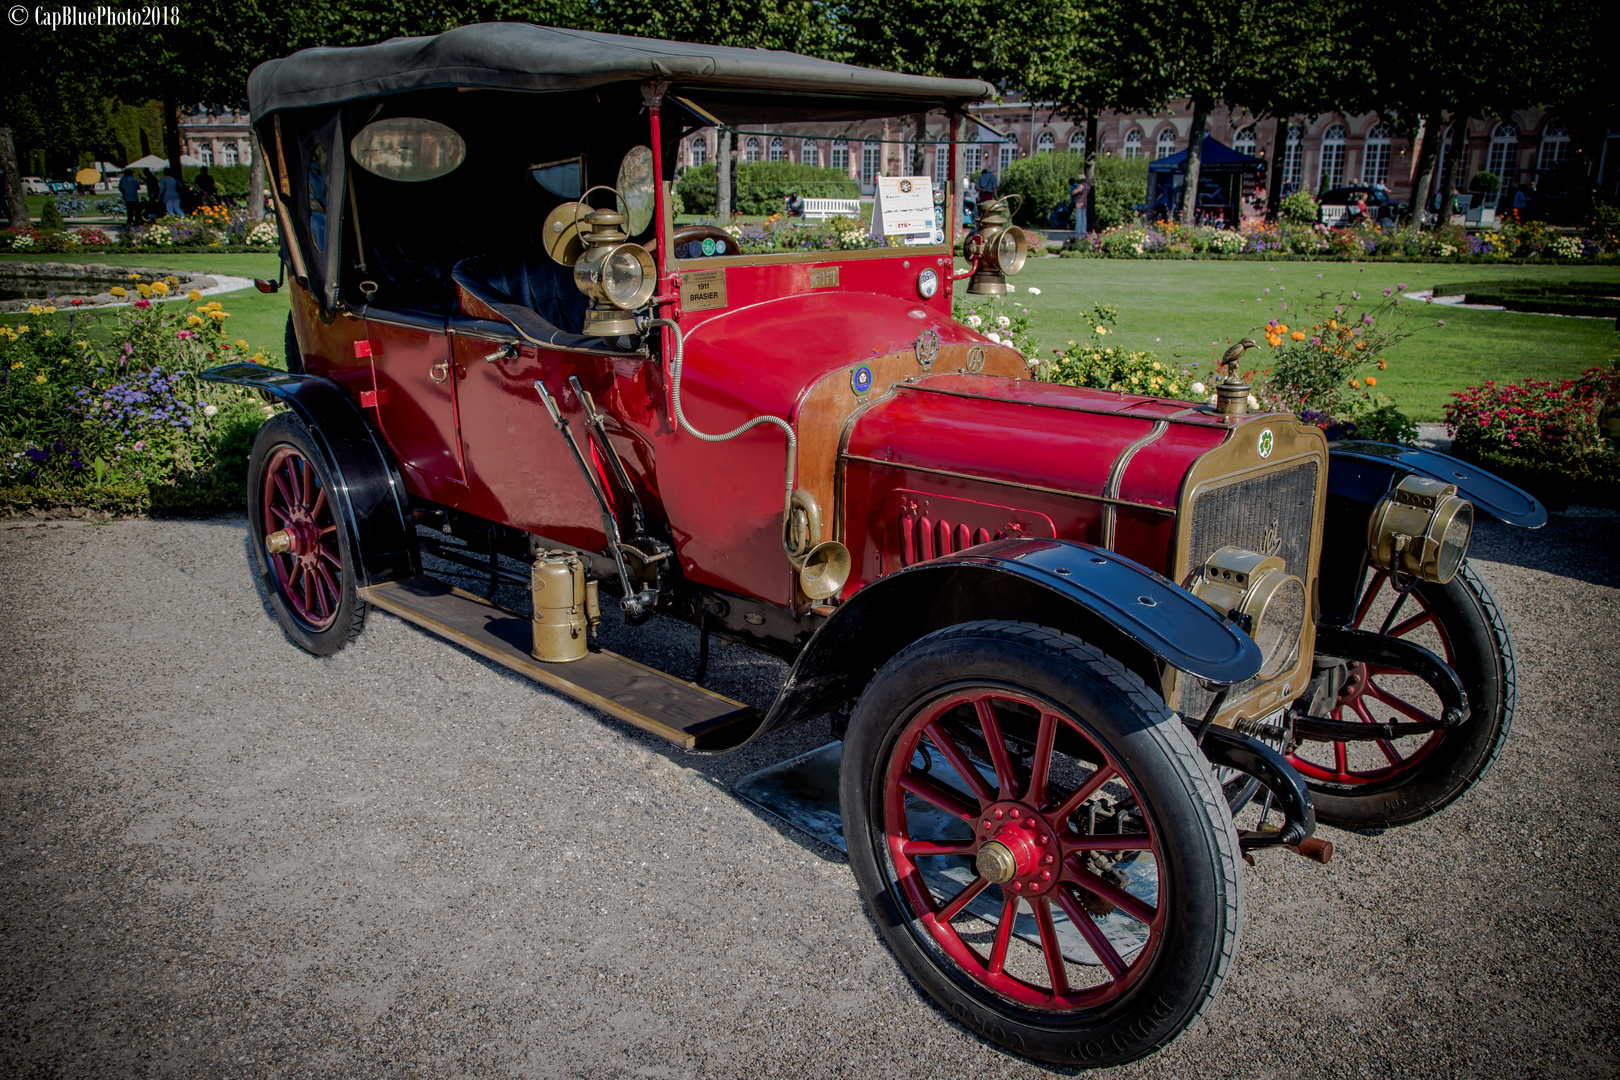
x=216 y=138
x=1326 y=151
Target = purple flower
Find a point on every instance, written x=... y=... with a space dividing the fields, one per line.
x=38 y=456
x=1388 y=291
x=1401 y=285
x=1268 y=292
x=1316 y=341
x=1442 y=322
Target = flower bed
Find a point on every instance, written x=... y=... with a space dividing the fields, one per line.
x=209 y=228
x=106 y=410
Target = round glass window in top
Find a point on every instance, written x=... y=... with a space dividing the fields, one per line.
x=408 y=149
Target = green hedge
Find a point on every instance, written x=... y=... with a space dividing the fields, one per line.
x=230 y=179
x=1593 y=481
x=1043 y=181
x=1591 y=298
x=762 y=185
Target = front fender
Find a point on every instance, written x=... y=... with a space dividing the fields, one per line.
x=371 y=494
x=1135 y=615
x=1361 y=473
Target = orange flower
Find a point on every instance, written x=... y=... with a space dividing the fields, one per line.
x=1371 y=381
x=1298 y=335
x=1382 y=363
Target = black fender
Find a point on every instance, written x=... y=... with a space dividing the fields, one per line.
x=370 y=492
x=1137 y=616
x=1360 y=473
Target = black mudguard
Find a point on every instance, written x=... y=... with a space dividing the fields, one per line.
x=370 y=492
x=1361 y=473
x=1135 y=615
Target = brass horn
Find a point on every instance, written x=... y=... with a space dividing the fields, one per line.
x=823 y=566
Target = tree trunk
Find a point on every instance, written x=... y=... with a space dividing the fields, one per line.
x=171 y=132
x=255 y=195
x=1423 y=181
x=1455 y=181
x=16 y=206
x=919 y=156
x=1274 y=178
x=1091 y=170
x=1195 y=160
x=722 y=166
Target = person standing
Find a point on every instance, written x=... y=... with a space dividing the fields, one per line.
x=1079 y=196
x=205 y=185
x=169 y=194
x=986 y=186
x=129 y=189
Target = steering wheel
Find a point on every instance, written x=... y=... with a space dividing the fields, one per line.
x=688 y=242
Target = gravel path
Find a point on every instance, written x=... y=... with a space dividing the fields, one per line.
x=224 y=858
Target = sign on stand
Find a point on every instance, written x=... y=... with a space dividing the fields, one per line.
x=905 y=210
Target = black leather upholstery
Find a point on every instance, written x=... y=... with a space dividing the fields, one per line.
x=415 y=275
x=531 y=281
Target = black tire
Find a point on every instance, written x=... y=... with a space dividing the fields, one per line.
x=295 y=355
x=1472 y=632
x=1102 y=713
x=312 y=588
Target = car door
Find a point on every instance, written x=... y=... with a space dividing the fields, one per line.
x=416 y=399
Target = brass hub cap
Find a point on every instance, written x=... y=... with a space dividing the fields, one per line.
x=1019 y=852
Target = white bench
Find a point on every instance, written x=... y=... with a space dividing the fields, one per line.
x=822 y=209
x=1334 y=214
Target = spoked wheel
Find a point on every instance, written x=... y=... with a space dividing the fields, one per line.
x=1384 y=782
x=303 y=550
x=1041 y=843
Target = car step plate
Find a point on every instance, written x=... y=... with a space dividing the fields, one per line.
x=803 y=791
x=682 y=712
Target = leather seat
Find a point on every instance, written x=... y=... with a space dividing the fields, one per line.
x=530 y=282
x=417 y=279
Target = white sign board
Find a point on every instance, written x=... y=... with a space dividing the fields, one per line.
x=904 y=207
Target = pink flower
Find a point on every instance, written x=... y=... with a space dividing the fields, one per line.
x=143 y=303
x=1401 y=285
x=184 y=334
x=1268 y=292
x=1388 y=291
x=1442 y=322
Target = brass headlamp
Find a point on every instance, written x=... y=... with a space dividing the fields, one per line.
x=1421 y=529
x=1000 y=248
x=616 y=276
x=1263 y=598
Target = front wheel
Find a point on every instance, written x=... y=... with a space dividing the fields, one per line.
x=300 y=543
x=1041 y=843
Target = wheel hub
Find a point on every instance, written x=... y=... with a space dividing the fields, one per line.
x=1019 y=850
x=1355 y=681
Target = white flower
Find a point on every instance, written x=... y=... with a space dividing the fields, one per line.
x=1200 y=389
x=1003 y=322
x=974 y=321
x=1012 y=288
x=210 y=410
x=995 y=337
x=1254 y=402
x=1033 y=291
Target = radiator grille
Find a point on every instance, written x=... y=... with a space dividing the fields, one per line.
x=1271 y=514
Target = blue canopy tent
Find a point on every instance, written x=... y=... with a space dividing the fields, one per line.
x=1220 y=181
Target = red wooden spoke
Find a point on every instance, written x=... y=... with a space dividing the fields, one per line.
x=1341 y=760
x=940 y=847
x=1093 y=784
x=1005 y=779
x=1082 y=921
x=1400 y=705
x=329 y=584
x=1050 y=946
x=1130 y=905
x=963 y=899
x=1040 y=766
x=998 y=949
x=959 y=761
x=286 y=518
x=1406 y=626
x=1366 y=604
x=287 y=499
x=320 y=503
x=946 y=800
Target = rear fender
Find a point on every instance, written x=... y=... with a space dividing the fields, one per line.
x=370 y=493
x=1136 y=616
x=1361 y=473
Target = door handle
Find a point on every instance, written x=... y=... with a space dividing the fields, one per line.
x=439 y=372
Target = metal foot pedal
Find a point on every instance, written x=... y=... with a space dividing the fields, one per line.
x=687 y=715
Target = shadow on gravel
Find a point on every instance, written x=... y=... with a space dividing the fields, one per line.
x=1582 y=543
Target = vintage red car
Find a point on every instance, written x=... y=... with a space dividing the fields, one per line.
x=1065 y=634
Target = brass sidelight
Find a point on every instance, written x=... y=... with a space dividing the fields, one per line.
x=1421 y=529
x=1258 y=594
x=563 y=607
x=998 y=250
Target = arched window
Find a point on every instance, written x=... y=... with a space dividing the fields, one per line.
x=840 y=155
x=700 y=149
x=1331 y=174
x=1554 y=145
x=809 y=153
x=1077 y=141
x=1503 y=159
x=205 y=153
x=1375 y=161
x=228 y=154
x=1045 y=143
x=1243 y=142
x=778 y=151
x=1167 y=143
x=1293 y=162
x=751 y=149
x=1133 y=144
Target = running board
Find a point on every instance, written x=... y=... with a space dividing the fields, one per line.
x=682 y=712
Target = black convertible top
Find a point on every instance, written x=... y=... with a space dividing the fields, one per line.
x=520 y=56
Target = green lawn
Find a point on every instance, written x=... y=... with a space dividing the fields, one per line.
x=257 y=318
x=1189 y=310
x=1184 y=310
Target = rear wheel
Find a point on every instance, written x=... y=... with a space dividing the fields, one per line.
x=304 y=552
x=1378 y=783
x=1041 y=843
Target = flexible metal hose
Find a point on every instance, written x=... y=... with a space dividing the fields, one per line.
x=686 y=425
